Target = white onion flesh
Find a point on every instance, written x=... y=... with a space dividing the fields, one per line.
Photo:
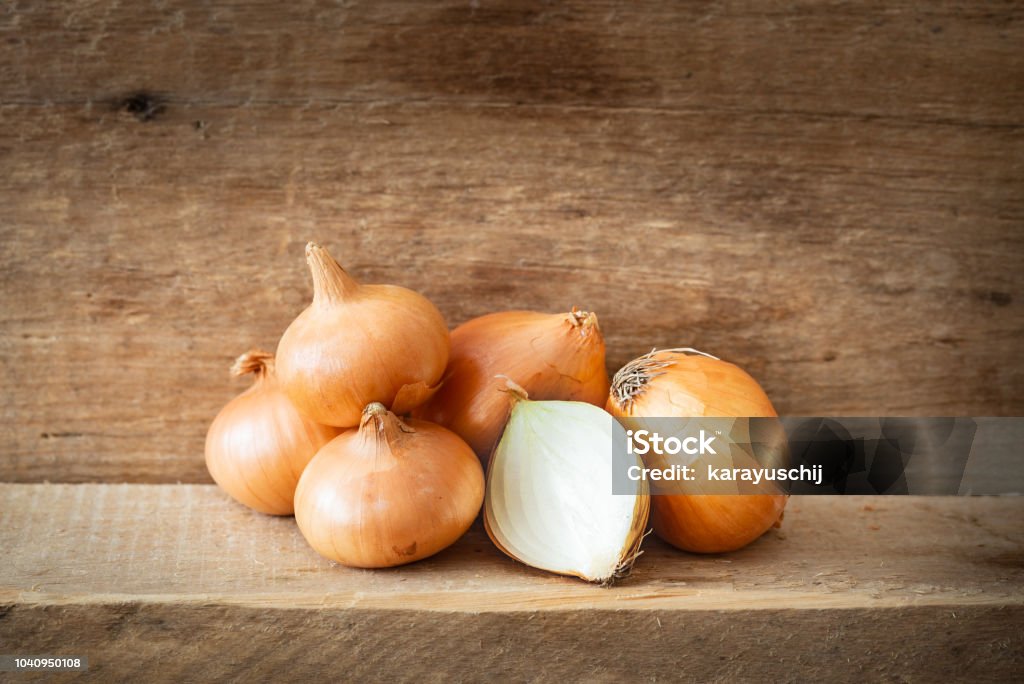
x=549 y=500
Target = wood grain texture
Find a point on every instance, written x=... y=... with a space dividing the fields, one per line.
x=108 y=543
x=853 y=587
x=159 y=642
x=944 y=62
x=829 y=195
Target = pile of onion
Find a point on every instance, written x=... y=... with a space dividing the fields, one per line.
x=551 y=356
x=386 y=493
x=688 y=383
x=319 y=434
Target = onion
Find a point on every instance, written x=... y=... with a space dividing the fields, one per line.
x=258 y=445
x=551 y=356
x=549 y=500
x=688 y=383
x=359 y=344
x=388 y=493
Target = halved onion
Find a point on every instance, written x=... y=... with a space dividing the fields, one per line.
x=549 y=499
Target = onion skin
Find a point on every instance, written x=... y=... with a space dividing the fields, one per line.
x=360 y=344
x=259 y=444
x=389 y=493
x=674 y=383
x=551 y=356
x=712 y=523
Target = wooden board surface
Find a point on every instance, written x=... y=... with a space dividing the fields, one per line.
x=140 y=577
x=191 y=544
x=828 y=195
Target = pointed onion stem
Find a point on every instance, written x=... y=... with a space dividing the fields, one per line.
x=255 y=361
x=330 y=281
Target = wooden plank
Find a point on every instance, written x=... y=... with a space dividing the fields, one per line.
x=864 y=267
x=109 y=543
x=946 y=61
x=172 y=580
x=157 y=642
x=827 y=195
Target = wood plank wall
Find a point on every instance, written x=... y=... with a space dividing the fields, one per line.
x=830 y=195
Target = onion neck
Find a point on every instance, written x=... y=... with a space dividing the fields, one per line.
x=255 y=361
x=584 y=322
x=384 y=426
x=330 y=281
x=515 y=391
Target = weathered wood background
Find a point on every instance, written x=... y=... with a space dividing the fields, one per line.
x=830 y=194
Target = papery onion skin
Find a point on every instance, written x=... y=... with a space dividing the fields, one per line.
x=551 y=356
x=389 y=492
x=259 y=444
x=359 y=344
x=685 y=383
